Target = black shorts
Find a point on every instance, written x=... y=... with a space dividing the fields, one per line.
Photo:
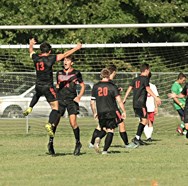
x=141 y=112
x=186 y=114
x=118 y=117
x=48 y=91
x=71 y=106
x=181 y=114
x=108 y=123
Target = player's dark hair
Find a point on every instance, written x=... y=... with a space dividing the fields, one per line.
x=105 y=73
x=45 y=47
x=181 y=75
x=144 y=66
x=71 y=57
x=112 y=68
x=149 y=75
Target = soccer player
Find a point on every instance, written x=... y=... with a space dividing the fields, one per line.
x=152 y=110
x=121 y=125
x=140 y=87
x=179 y=103
x=44 y=77
x=183 y=94
x=67 y=80
x=104 y=107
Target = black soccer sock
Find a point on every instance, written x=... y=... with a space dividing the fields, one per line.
x=108 y=141
x=140 y=129
x=95 y=134
x=54 y=115
x=124 y=137
x=34 y=101
x=77 y=134
x=102 y=134
x=187 y=133
x=51 y=139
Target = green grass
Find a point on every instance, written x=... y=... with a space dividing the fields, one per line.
x=23 y=158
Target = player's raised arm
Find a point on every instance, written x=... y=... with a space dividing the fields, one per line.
x=31 y=43
x=69 y=52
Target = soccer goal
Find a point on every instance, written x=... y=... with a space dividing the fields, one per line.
x=17 y=74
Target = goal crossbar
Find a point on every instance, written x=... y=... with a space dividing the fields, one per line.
x=140 y=25
x=107 y=45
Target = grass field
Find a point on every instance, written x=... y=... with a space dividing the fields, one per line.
x=23 y=158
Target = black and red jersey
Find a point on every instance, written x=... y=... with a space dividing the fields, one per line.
x=105 y=93
x=139 y=85
x=67 y=82
x=185 y=92
x=44 y=71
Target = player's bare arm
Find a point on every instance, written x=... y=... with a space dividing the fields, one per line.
x=127 y=93
x=93 y=108
x=173 y=95
x=32 y=42
x=157 y=99
x=121 y=105
x=69 y=52
x=82 y=90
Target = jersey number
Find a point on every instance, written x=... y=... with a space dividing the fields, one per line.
x=40 y=66
x=137 y=84
x=102 y=91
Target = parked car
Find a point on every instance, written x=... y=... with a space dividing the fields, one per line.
x=13 y=105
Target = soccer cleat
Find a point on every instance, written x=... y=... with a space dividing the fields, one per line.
x=138 y=142
x=179 y=130
x=96 y=144
x=132 y=146
x=27 y=111
x=77 y=149
x=104 y=152
x=51 y=148
x=149 y=140
x=49 y=129
x=91 y=146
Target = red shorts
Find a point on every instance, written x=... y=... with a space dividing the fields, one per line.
x=151 y=116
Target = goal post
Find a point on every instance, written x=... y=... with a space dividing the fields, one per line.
x=17 y=74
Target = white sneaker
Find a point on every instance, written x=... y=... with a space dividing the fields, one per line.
x=91 y=146
x=96 y=144
x=131 y=146
x=104 y=152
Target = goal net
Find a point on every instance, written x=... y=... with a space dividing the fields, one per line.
x=17 y=78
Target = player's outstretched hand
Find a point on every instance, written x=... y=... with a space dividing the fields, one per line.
x=79 y=46
x=171 y=95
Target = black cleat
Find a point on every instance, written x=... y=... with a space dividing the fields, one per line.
x=51 y=149
x=149 y=140
x=138 y=142
x=77 y=149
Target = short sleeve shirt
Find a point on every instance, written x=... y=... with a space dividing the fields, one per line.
x=185 y=92
x=105 y=94
x=177 y=88
x=67 y=83
x=150 y=102
x=43 y=66
x=139 y=85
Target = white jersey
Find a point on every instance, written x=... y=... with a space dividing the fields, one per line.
x=150 y=103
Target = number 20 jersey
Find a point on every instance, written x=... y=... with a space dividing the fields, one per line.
x=105 y=92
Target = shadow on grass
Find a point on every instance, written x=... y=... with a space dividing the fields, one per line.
x=62 y=154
